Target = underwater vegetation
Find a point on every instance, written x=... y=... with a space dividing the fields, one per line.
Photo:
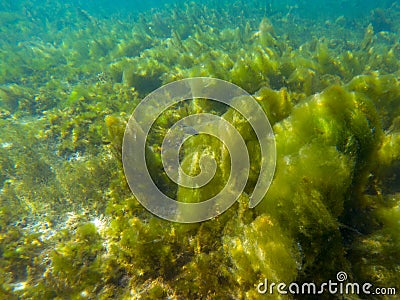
x=70 y=228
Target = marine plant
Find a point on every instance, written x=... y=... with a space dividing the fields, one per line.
x=69 y=225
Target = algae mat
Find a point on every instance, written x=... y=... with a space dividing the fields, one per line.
x=72 y=73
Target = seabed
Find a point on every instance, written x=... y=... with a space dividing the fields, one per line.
x=70 y=228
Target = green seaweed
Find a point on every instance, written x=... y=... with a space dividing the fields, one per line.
x=69 y=224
